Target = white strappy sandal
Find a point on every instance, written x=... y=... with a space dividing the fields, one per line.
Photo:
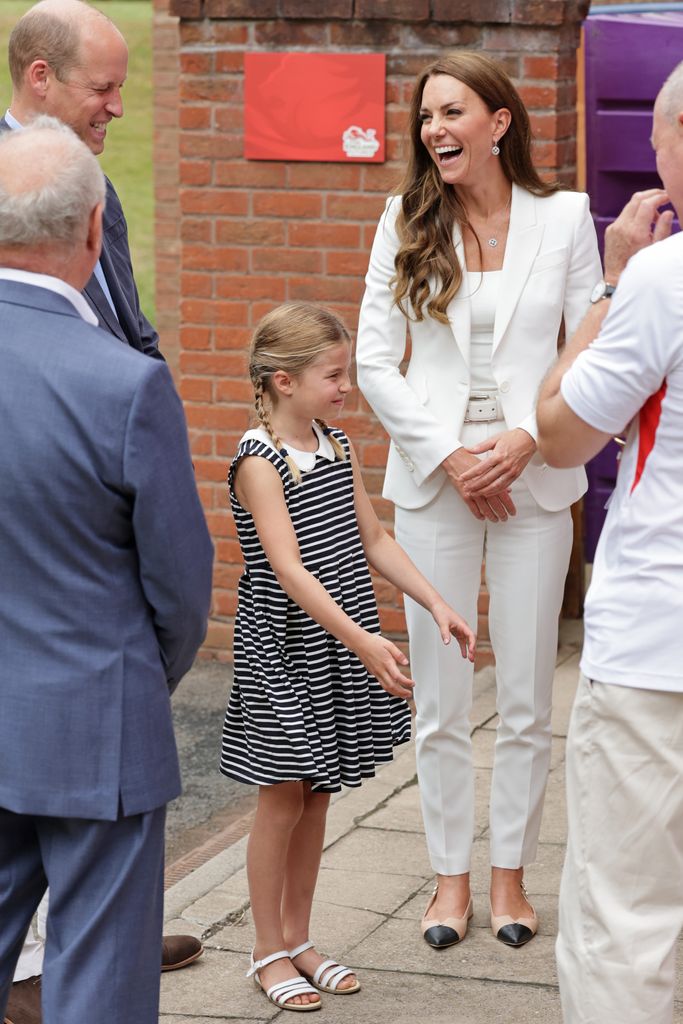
x=327 y=976
x=284 y=990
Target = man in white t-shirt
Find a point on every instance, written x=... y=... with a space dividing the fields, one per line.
x=621 y=905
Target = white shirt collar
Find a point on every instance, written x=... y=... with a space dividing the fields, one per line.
x=53 y=284
x=12 y=122
x=304 y=460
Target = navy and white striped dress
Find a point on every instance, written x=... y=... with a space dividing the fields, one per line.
x=303 y=707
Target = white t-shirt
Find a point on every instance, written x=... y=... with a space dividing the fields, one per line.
x=633 y=374
x=484 y=289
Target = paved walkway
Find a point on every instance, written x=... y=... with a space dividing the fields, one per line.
x=374 y=885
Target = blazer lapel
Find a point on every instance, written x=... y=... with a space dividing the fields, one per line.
x=458 y=312
x=99 y=304
x=523 y=242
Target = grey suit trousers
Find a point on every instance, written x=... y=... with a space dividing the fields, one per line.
x=103 y=947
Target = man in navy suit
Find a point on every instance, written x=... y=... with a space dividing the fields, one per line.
x=104 y=596
x=77 y=77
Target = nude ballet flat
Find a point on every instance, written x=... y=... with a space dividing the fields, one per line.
x=441 y=934
x=515 y=931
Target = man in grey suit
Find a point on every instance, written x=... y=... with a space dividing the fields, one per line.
x=104 y=595
x=68 y=60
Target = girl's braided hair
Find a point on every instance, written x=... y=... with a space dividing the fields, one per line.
x=290 y=338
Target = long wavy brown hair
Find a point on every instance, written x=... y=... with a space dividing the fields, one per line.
x=429 y=208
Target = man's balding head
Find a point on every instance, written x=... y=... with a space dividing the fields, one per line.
x=52 y=191
x=51 y=30
x=667 y=137
x=68 y=60
x=670 y=97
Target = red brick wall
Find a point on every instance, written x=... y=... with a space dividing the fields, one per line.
x=166 y=180
x=256 y=233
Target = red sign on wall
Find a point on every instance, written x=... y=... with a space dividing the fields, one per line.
x=314 y=106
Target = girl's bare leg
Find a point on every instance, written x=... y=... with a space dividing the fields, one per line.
x=278 y=814
x=301 y=875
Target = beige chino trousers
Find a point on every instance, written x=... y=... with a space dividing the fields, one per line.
x=621 y=897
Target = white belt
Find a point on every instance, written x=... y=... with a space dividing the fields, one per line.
x=482 y=409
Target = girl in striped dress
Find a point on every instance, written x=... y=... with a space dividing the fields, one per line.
x=319 y=695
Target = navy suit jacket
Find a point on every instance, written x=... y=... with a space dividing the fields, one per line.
x=105 y=565
x=130 y=324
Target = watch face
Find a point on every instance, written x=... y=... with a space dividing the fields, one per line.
x=603 y=290
x=599 y=291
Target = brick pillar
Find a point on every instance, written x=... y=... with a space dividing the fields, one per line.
x=256 y=233
x=166 y=181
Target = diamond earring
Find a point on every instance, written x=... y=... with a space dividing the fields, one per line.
x=495 y=149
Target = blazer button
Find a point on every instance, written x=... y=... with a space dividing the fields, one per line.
x=504 y=386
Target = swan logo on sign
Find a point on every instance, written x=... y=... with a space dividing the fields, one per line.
x=359 y=144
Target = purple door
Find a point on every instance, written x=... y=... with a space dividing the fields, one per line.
x=628 y=55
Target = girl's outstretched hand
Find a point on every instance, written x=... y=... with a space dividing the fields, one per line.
x=452 y=624
x=382 y=658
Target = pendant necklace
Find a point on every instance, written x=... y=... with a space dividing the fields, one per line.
x=493 y=241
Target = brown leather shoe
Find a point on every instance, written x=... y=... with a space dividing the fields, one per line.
x=179 y=951
x=23 y=1005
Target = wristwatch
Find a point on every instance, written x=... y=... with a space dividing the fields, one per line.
x=602 y=290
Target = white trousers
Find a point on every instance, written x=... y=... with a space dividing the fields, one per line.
x=30 y=962
x=621 y=897
x=527 y=558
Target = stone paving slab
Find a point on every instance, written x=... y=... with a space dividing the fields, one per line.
x=379 y=891
x=216 y=984
x=402 y=814
x=397 y=998
x=372 y=849
x=336 y=930
x=374 y=884
x=395 y=946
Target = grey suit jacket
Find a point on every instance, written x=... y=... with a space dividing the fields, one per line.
x=129 y=324
x=105 y=565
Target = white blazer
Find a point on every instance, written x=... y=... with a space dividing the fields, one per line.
x=550 y=268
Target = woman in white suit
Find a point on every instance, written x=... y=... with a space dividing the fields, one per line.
x=480 y=261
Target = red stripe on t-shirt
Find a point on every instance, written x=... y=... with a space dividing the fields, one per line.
x=648 y=421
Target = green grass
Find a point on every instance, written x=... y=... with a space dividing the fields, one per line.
x=127 y=158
